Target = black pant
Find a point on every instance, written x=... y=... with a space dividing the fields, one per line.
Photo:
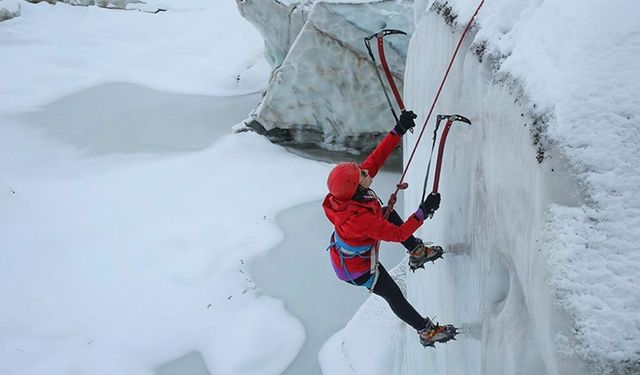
x=388 y=289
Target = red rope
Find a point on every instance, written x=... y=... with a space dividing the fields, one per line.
x=401 y=184
x=433 y=105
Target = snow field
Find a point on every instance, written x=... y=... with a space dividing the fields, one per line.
x=136 y=264
x=118 y=261
x=80 y=47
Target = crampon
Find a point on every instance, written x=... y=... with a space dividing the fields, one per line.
x=434 y=333
x=422 y=254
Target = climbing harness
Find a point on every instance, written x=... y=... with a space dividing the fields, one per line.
x=346 y=251
x=401 y=184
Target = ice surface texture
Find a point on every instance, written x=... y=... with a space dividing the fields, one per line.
x=9 y=9
x=325 y=91
x=541 y=191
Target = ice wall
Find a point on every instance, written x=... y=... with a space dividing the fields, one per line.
x=521 y=275
x=278 y=21
x=325 y=91
x=495 y=195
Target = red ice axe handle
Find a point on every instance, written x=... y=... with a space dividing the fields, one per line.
x=443 y=140
x=387 y=73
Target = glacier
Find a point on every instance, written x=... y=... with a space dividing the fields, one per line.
x=323 y=90
x=540 y=210
x=539 y=215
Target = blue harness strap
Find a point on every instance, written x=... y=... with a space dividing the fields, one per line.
x=347 y=251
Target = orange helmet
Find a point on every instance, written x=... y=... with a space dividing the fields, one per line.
x=343 y=180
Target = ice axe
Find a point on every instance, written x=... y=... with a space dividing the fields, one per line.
x=443 y=139
x=385 y=67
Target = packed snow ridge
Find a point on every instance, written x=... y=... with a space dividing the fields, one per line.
x=323 y=89
x=11 y=8
x=540 y=209
x=112 y=4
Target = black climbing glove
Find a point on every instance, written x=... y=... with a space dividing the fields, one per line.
x=405 y=122
x=429 y=206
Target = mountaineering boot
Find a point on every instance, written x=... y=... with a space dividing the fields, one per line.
x=433 y=333
x=422 y=254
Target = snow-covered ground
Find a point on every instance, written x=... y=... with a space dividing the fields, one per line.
x=127 y=209
x=128 y=212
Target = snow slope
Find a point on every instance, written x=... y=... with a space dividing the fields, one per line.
x=81 y=47
x=123 y=244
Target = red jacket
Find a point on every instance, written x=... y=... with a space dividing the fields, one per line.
x=363 y=223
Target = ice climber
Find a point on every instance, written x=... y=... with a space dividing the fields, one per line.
x=358 y=217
